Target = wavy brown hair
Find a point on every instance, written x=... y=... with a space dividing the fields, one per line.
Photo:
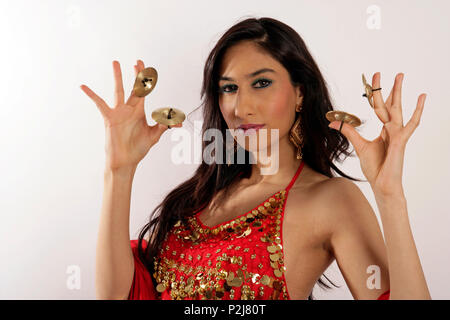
x=322 y=145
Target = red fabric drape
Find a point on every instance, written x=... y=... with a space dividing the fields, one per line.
x=142 y=287
x=384 y=296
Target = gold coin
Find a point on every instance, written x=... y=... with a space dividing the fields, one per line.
x=237 y=282
x=274 y=264
x=230 y=276
x=272 y=249
x=274 y=257
x=278 y=273
x=265 y=280
x=160 y=287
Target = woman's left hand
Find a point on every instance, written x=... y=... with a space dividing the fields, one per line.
x=382 y=159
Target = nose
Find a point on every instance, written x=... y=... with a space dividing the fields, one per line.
x=244 y=105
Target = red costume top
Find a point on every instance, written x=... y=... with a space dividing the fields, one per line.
x=239 y=259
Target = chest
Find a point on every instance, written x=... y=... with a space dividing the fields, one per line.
x=254 y=255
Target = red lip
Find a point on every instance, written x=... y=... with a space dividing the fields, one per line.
x=251 y=125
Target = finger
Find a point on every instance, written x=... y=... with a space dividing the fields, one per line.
x=396 y=107
x=379 y=106
x=134 y=100
x=413 y=123
x=118 y=93
x=388 y=102
x=351 y=134
x=101 y=104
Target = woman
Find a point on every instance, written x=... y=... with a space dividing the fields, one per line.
x=229 y=232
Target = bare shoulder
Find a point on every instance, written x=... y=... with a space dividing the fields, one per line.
x=339 y=199
x=338 y=189
x=329 y=203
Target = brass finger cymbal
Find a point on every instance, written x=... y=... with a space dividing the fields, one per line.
x=344 y=117
x=368 y=91
x=168 y=116
x=145 y=82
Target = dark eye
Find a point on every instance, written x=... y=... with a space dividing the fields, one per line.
x=224 y=88
x=263 y=81
x=233 y=87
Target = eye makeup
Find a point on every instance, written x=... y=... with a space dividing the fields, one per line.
x=223 y=89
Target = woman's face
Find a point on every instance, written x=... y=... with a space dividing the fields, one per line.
x=265 y=98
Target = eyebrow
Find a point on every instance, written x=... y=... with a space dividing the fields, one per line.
x=250 y=74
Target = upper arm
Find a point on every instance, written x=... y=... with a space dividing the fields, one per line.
x=356 y=241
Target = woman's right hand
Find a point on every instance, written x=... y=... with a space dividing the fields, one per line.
x=128 y=136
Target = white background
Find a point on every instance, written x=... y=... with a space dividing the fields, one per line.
x=52 y=134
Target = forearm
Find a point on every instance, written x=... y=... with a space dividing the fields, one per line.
x=407 y=280
x=114 y=258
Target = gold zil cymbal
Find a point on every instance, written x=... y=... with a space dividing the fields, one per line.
x=168 y=116
x=369 y=91
x=145 y=82
x=344 y=117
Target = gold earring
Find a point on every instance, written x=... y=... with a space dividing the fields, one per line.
x=295 y=135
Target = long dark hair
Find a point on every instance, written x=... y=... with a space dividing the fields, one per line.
x=322 y=145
